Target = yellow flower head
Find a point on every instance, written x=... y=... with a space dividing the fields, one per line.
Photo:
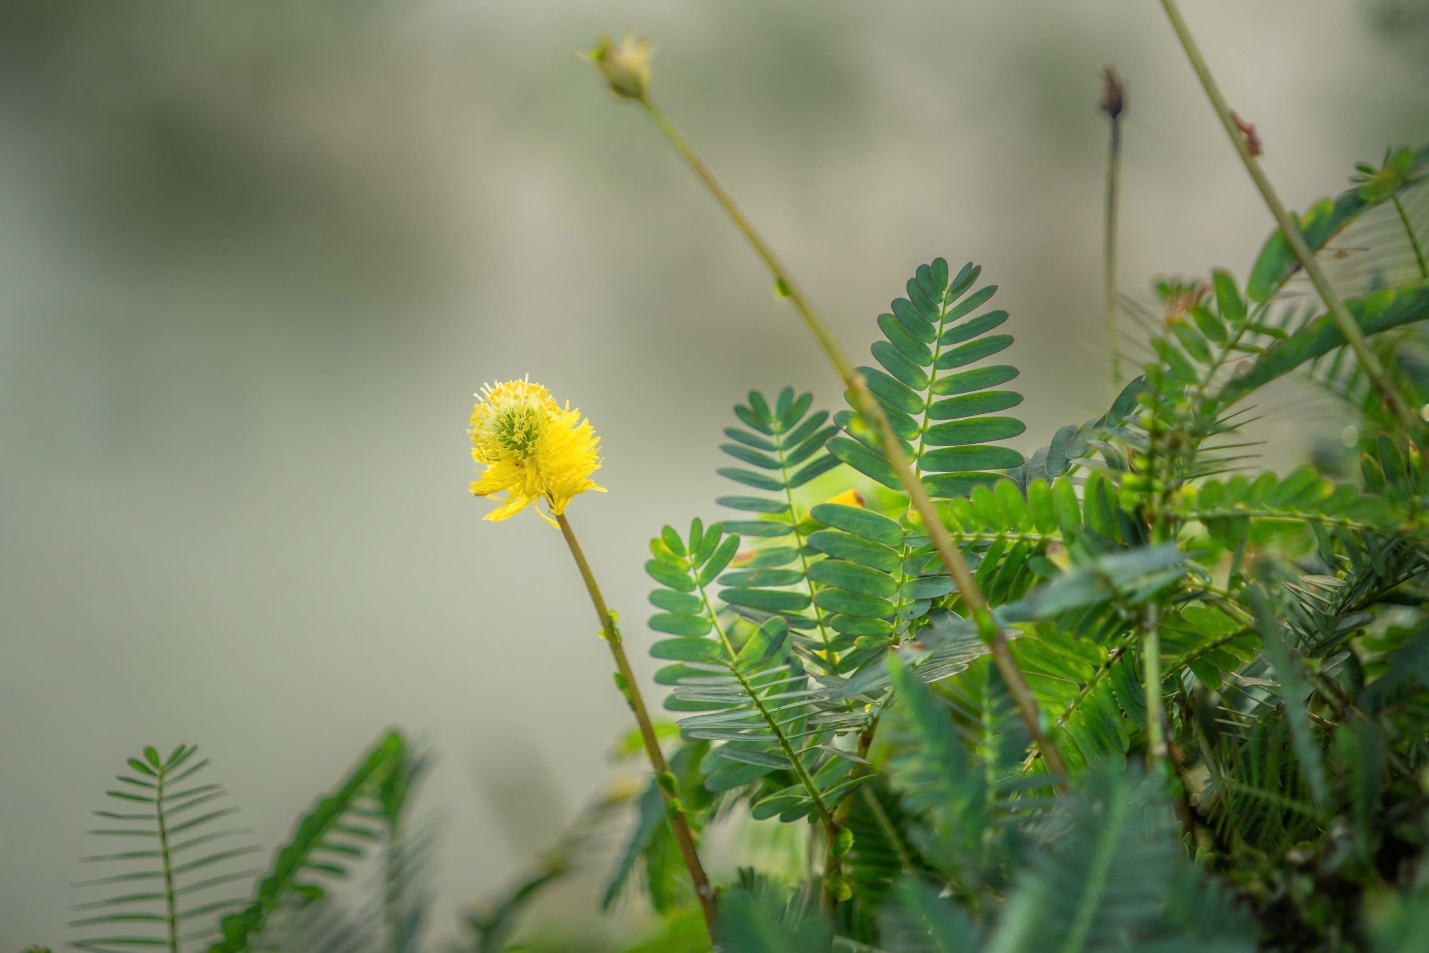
x=532 y=449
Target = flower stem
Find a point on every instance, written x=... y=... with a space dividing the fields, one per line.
x=1353 y=335
x=868 y=408
x=630 y=688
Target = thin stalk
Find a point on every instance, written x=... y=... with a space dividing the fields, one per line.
x=170 y=904
x=630 y=688
x=1413 y=238
x=833 y=855
x=867 y=408
x=1113 y=103
x=1354 y=337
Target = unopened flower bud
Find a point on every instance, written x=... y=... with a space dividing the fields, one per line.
x=1113 y=93
x=625 y=68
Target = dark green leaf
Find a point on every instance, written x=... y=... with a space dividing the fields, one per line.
x=860 y=522
x=958 y=459
x=971 y=431
x=974 y=380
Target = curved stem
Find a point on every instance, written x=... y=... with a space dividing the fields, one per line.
x=1353 y=335
x=868 y=409
x=630 y=688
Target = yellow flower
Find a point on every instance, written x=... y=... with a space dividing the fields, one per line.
x=848 y=498
x=532 y=449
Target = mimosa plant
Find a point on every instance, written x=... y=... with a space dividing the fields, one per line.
x=1120 y=693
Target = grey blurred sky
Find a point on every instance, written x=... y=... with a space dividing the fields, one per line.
x=255 y=258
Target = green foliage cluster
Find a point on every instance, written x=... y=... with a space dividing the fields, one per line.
x=1234 y=667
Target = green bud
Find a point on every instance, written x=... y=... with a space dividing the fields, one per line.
x=624 y=687
x=625 y=68
x=668 y=783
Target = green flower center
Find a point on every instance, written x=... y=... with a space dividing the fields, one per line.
x=519 y=430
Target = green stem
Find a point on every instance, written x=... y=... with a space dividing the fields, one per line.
x=1151 y=676
x=684 y=839
x=1290 y=229
x=1413 y=238
x=170 y=903
x=833 y=858
x=868 y=408
x=1113 y=189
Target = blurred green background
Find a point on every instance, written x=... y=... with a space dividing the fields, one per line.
x=256 y=257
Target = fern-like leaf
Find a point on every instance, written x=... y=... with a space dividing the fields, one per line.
x=922 y=921
x=1293 y=688
x=1113 y=876
x=162 y=897
x=785 y=444
x=1276 y=264
x=944 y=786
x=945 y=411
x=757 y=922
x=752 y=694
x=336 y=831
x=1374 y=313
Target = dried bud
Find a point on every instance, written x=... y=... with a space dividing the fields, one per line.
x=1252 y=138
x=1113 y=93
x=625 y=68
